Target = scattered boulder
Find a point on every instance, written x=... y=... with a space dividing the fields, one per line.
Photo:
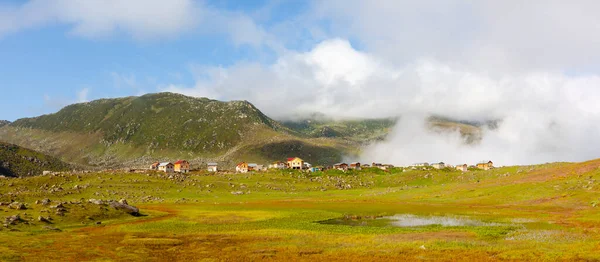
x=49 y=228
x=123 y=206
x=96 y=201
x=43 y=219
x=12 y=220
x=17 y=206
x=58 y=206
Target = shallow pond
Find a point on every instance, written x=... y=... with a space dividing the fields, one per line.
x=409 y=220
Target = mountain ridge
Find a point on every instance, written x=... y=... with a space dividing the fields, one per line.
x=134 y=131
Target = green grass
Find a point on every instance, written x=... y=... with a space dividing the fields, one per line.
x=539 y=212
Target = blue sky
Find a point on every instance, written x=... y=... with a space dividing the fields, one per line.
x=46 y=66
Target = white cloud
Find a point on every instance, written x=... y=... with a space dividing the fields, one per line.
x=545 y=116
x=141 y=19
x=494 y=36
x=99 y=18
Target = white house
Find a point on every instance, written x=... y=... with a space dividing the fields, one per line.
x=213 y=167
x=166 y=167
x=462 y=167
x=439 y=165
x=278 y=165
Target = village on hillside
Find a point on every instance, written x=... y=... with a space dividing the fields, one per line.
x=183 y=166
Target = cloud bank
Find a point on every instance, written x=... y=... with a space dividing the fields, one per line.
x=138 y=19
x=545 y=116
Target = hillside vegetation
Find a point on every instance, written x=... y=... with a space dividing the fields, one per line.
x=135 y=131
x=359 y=130
x=158 y=121
x=16 y=161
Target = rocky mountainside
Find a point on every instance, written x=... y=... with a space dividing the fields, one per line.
x=134 y=131
x=4 y=122
x=158 y=122
x=16 y=161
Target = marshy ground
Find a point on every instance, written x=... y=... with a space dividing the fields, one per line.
x=545 y=212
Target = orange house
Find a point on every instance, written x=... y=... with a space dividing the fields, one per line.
x=154 y=166
x=485 y=165
x=242 y=168
x=182 y=166
x=295 y=163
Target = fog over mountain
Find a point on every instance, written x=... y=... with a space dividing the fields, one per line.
x=531 y=66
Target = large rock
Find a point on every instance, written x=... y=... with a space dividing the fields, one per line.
x=96 y=201
x=123 y=206
x=12 y=220
x=17 y=206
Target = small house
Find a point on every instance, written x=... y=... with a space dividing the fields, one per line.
x=213 y=167
x=255 y=167
x=242 y=168
x=485 y=165
x=463 y=167
x=278 y=165
x=439 y=165
x=166 y=167
x=252 y=167
x=295 y=163
x=378 y=165
x=154 y=166
x=354 y=165
x=366 y=165
x=182 y=166
x=341 y=166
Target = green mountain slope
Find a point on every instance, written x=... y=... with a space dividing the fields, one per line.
x=158 y=121
x=358 y=130
x=134 y=131
x=16 y=161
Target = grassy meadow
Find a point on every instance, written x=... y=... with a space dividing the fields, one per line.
x=544 y=212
